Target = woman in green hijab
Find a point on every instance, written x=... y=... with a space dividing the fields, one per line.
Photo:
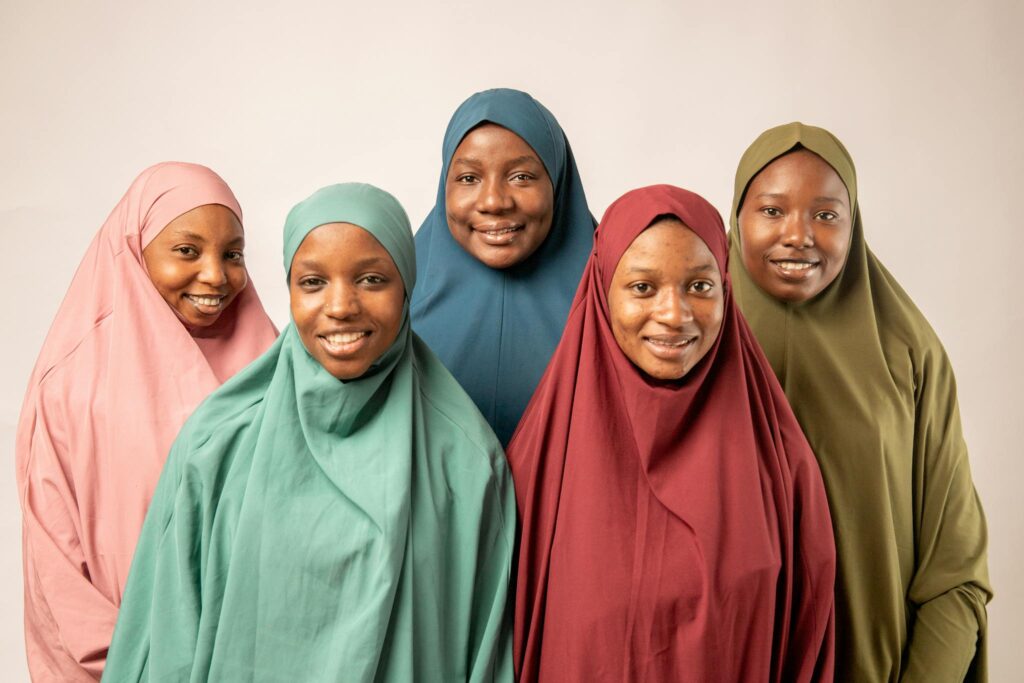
x=339 y=510
x=874 y=392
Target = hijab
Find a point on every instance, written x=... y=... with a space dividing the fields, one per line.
x=116 y=377
x=874 y=391
x=671 y=530
x=308 y=528
x=495 y=329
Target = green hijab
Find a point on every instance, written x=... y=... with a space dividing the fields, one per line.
x=874 y=392
x=309 y=529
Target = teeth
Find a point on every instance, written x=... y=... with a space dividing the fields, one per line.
x=205 y=300
x=345 y=337
x=502 y=231
x=671 y=345
x=795 y=265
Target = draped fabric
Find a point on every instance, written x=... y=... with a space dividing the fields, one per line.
x=874 y=391
x=115 y=379
x=671 y=530
x=310 y=529
x=496 y=329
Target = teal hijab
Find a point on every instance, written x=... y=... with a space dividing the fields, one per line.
x=306 y=528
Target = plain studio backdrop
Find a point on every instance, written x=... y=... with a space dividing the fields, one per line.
x=283 y=98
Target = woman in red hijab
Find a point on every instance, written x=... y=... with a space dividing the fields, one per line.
x=674 y=521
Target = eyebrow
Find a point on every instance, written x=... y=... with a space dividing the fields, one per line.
x=307 y=264
x=781 y=195
x=195 y=237
x=473 y=161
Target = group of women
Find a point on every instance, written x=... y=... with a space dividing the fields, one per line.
x=517 y=447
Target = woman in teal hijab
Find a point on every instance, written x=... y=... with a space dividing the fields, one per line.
x=502 y=251
x=339 y=510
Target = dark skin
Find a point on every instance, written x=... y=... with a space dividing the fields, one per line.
x=666 y=300
x=196 y=263
x=347 y=298
x=499 y=199
x=795 y=225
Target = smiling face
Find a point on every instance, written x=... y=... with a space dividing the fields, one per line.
x=196 y=263
x=498 y=197
x=666 y=300
x=347 y=298
x=795 y=226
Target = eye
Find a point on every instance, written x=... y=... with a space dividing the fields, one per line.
x=187 y=250
x=826 y=215
x=312 y=282
x=702 y=287
x=466 y=179
x=521 y=178
x=373 y=280
x=235 y=255
x=641 y=288
x=771 y=212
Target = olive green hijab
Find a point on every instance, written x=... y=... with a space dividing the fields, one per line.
x=874 y=392
x=309 y=529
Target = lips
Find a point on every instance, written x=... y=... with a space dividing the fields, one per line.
x=207 y=304
x=794 y=269
x=343 y=344
x=498 y=234
x=669 y=347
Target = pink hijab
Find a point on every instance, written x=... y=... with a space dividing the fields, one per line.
x=116 y=378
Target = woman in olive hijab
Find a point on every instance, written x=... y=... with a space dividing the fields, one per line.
x=339 y=510
x=874 y=392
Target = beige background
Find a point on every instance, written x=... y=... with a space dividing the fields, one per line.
x=281 y=100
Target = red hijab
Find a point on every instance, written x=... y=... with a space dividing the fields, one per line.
x=671 y=530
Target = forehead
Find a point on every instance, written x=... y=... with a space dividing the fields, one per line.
x=799 y=172
x=341 y=246
x=668 y=246
x=491 y=143
x=212 y=222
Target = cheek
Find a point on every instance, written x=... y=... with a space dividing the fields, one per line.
x=458 y=202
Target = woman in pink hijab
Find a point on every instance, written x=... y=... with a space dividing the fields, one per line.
x=158 y=315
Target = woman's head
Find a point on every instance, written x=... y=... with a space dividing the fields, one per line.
x=350 y=261
x=499 y=199
x=507 y=172
x=197 y=265
x=661 y=256
x=795 y=211
x=666 y=300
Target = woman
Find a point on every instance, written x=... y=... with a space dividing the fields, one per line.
x=502 y=250
x=158 y=315
x=674 y=523
x=875 y=394
x=339 y=510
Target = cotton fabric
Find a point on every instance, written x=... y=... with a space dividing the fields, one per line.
x=496 y=329
x=671 y=530
x=115 y=379
x=873 y=389
x=310 y=529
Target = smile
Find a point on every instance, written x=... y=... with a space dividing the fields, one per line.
x=498 y=235
x=207 y=304
x=794 y=269
x=669 y=348
x=343 y=344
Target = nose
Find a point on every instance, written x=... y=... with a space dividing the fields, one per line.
x=797 y=232
x=342 y=302
x=212 y=272
x=494 y=196
x=671 y=309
